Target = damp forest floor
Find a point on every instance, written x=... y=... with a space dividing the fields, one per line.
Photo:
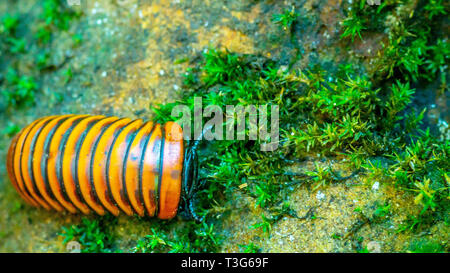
x=362 y=163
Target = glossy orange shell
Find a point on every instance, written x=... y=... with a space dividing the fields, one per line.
x=83 y=163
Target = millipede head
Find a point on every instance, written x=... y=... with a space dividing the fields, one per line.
x=190 y=181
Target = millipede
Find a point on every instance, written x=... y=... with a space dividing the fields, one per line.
x=87 y=163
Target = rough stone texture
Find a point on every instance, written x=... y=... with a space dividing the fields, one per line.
x=128 y=61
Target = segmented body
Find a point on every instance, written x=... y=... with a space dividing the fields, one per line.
x=83 y=163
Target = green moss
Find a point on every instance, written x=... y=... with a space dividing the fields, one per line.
x=286 y=19
x=434 y=8
x=350 y=117
x=221 y=66
x=19 y=90
x=57 y=15
x=93 y=235
x=423 y=168
x=9 y=24
x=250 y=248
x=426 y=246
x=362 y=17
x=192 y=238
x=11 y=130
x=415 y=53
x=415 y=50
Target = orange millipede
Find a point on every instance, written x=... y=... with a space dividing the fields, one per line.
x=84 y=163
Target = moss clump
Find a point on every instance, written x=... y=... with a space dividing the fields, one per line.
x=320 y=115
x=285 y=19
x=361 y=17
x=415 y=47
x=55 y=16
x=192 y=238
x=426 y=246
x=94 y=235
